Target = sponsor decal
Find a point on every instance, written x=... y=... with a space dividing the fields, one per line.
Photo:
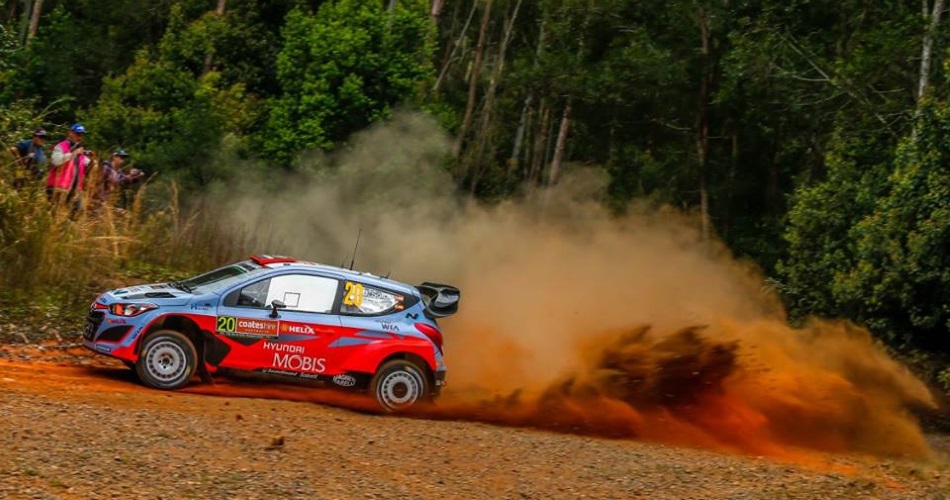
x=344 y=380
x=388 y=325
x=354 y=294
x=298 y=363
x=412 y=315
x=291 y=348
x=297 y=328
x=279 y=372
x=116 y=321
x=310 y=375
x=135 y=334
x=229 y=325
x=201 y=307
x=103 y=348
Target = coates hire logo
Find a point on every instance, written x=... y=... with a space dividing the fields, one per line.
x=297 y=328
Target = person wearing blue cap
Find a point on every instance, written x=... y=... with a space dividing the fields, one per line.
x=113 y=178
x=69 y=164
x=30 y=157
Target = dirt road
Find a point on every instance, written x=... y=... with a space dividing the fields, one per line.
x=76 y=427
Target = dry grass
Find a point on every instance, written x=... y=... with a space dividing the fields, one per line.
x=60 y=255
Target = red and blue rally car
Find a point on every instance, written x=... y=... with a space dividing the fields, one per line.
x=280 y=316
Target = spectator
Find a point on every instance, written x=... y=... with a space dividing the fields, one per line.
x=69 y=164
x=113 y=178
x=30 y=158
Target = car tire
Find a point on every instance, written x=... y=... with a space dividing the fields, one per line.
x=398 y=385
x=167 y=360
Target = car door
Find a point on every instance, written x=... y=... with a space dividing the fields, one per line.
x=371 y=316
x=293 y=342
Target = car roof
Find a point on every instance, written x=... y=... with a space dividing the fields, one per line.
x=281 y=262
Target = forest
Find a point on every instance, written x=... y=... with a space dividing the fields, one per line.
x=812 y=137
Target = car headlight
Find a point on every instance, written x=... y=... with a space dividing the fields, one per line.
x=131 y=309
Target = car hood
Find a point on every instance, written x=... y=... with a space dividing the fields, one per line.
x=157 y=293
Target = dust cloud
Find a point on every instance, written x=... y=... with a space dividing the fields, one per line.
x=579 y=321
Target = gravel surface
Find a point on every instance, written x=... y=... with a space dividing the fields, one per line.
x=77 y=427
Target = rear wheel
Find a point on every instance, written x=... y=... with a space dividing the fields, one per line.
x=167 y=361
x=399 y=384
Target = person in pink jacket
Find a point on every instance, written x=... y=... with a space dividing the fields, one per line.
x=68 y=166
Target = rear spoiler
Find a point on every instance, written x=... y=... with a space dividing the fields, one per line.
x=440 y=300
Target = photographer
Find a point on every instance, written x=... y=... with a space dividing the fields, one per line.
x=69 y=164
x=113 y=177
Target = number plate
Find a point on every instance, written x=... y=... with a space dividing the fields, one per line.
x=89 y=330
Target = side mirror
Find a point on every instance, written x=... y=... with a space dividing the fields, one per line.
x=275 y=305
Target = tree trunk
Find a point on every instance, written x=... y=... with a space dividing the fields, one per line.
x=702 y=127
x=526 y=107
x=731 y=187
x=436 y=11
x=513 y=160
x=34 y=20
x=926 y=53
x=11 y=13
x=555 y=169
x=455 y=46
x=25 y=20
x=540 y=144
x=484 y=135
x=209 y=57
x=473 y=84
x=558 y=157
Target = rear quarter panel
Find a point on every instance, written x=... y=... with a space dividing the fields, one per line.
x=376 y=338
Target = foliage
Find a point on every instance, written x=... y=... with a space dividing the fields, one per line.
x=167 y=111
x=95 y=248
x=344 y=67
x=789 y=124
x=900 y=284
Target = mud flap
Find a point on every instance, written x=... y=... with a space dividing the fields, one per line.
x=203 y=371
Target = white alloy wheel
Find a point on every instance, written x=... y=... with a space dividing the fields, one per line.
x=398 y=385
x=167 y=360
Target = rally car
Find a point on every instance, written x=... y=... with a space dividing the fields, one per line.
x=280 y=316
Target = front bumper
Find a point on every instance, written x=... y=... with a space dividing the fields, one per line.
x=105 y=335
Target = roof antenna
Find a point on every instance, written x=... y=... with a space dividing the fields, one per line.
x=353 y=260
x=387 y=274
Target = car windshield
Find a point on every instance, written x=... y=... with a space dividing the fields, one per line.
x=219 y=279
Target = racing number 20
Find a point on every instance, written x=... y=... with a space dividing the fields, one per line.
x=354 y=294
x=227 y=324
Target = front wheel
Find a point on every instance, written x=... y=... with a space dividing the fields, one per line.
x=167 y=361
x=399 y=384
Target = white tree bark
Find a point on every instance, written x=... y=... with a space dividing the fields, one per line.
x=473 y=81
x=559 y=146
x=436 y=10
x=926 y=52
x=34 y=20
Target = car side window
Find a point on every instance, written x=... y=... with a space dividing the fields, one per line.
x=299 y=292
x=254 y=295
x=363 y=300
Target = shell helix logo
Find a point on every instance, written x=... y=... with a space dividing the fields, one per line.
x=297 y=329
